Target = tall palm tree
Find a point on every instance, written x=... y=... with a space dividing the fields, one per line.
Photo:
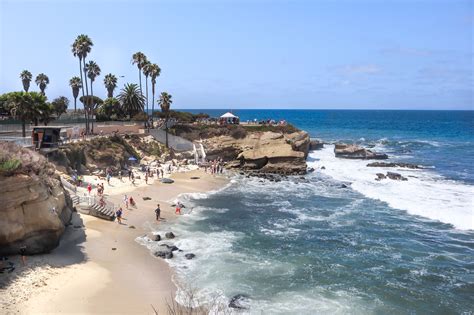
x=154 y=73
x=110 y=82
x=139 y=59
x=165 y=104
x=26 y=77
x=76 y=84
x=80 y=48
x=131 y=99
x=42 y=81
x=146 y=73
x=93 y=70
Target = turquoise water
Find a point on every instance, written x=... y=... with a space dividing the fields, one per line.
x=312 y=247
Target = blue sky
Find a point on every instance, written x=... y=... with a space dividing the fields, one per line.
x=255 y=54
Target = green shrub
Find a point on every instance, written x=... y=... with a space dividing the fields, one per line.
x=9 y=166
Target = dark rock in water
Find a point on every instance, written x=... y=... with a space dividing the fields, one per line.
x=344 y=186
x=170 y=247
x=240 y=301
x=310 y=170
x=169 y=235
x=396 y=176
x=190 y=256
x=380 y=176
x=154 y=237
x=302 y=177
x=404 y=165
x=323 y=167
x=316 y=145
x=166 y=254
x=351 y=151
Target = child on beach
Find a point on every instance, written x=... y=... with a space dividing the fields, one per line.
x=89 y=188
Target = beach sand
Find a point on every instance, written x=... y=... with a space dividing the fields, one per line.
x=98 y=267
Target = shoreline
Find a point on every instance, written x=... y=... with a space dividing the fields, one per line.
x=98 y=266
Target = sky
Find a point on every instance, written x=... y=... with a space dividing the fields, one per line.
x=359 y=54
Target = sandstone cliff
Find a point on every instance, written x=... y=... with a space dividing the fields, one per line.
x=34 y=207
x=269 y=152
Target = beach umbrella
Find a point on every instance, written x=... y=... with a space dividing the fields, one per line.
x=132 y=158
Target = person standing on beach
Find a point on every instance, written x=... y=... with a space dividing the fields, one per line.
x=129 y=174
x=89 y=188
x=162 y=173
x=118 y=214
x=158 y=212
x=23 y=255
x=125 y=201
x=146 y=178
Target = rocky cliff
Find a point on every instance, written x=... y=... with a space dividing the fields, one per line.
x=264 y=151
x=34 y=207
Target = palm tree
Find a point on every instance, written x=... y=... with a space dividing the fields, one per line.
x=42 y=81
x=165 y=104
x=93 y=71
x=26 y=77
x=154 y=73
x=146 y=73
x=25 y=106
x=131 y=99
x=80 y=48
x=139 y=59
x=110 y=82
x=76 y=85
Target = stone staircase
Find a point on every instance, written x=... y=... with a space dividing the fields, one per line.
x=102 y=212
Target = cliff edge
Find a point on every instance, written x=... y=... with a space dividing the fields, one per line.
x=34 y=207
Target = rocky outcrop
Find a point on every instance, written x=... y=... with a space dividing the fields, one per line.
x=352 y=151
x=390 y=175
x=34 y=207
x=402 y=165
x=267 y=152
x=316 y=145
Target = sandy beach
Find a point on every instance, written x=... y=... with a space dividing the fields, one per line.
x=98 y=266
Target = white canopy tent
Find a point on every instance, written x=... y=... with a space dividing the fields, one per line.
x=229 y=118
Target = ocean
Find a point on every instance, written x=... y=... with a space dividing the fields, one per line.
x=311 y=246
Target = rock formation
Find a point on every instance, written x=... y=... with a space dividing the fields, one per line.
x=352 y=151
x=34 y=207
x=397 y=164
x=267 y=152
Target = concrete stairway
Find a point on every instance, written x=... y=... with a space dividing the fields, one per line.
x=102 y=212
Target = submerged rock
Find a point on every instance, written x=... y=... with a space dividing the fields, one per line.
x=190 y=256
x=169 y=235
x=396 y=176
x=154 y=237
x=165 y=254
x=352 y=151
x=404 y=165
x=240 y=301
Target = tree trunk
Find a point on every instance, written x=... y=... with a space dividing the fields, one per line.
x=147 y=107
x=87 y=94
x=166 y=130
x=92 y=105
x=152 y=106
x=23 y=128
x=83 y=95
x=75 y=99
x=140 y=79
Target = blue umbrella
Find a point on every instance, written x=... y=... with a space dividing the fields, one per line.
x=132 y=158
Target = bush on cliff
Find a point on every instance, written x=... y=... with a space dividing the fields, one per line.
x=15 y=159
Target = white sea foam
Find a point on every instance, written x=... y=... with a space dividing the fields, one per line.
x=425 y=193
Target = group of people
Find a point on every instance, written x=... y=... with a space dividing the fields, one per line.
x=216 y=166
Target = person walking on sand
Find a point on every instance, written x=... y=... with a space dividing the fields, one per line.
x=89 y=188
x=125 y=201
x=146 y=178
x=118 y=214
x=158 y=212
x=162 y=173
x=130 y=174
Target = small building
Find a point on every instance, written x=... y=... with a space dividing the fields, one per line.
x=46 y=137
x=229 y=119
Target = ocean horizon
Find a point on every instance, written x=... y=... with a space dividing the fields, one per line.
x=337 y=241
